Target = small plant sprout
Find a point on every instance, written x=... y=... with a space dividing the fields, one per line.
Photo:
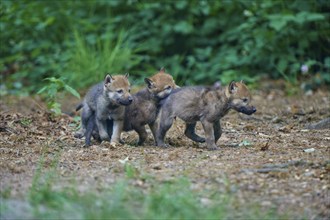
x=51 y=92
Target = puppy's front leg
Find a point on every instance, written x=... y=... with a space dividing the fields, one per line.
x=117 y=129
x=217 y=130
x=102 y=127
x=154 y=127
x=142 y=134
x=209 y=135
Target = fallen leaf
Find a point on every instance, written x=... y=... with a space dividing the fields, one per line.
x=123 y=161
x=286 y=129
x=297 y=110
x=265 y=146
x=249 y=128
x=244 y=143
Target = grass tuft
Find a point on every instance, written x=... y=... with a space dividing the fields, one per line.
x=90 y=62
x=155 y=199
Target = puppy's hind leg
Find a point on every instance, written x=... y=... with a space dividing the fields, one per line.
x=209 y=135
x=190 y=133
x=142 y=134
x=89 y=130
x=85 y=115
x=164 y=125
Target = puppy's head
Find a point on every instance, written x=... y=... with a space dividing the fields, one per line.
x=161 y=84
x=240 y=98
x=117 y=88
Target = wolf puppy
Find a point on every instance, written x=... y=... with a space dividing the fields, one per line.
x=205 y=104
x=105 y=101
x=146 y=104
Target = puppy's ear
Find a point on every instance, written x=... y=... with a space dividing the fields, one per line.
x=217 y=85
x=232 y=87
x=108 y=79
x=127 y=75
x=162 y=70
x=149 y=83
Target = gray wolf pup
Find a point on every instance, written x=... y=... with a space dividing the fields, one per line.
x=105 y=101
x=145 y=106
x=205 y=104
x=146 y=103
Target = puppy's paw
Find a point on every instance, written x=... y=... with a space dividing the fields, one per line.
x=200 y=140
x=163 y=145
x=78 y=135
x=213 y=147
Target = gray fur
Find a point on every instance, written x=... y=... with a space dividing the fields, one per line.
x=143 y=111
x=145 y=106
x=198 y=103
x=101 y=104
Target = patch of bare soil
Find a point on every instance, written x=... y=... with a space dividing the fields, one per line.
x=269 y=158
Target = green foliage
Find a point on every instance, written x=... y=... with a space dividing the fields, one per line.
x=156 y=199
x=124 y=200
x=25 y=121
x=51 y=92
x=90 y=63
x=199 y=42
x=5 y=193
x=41 y=189
x=130 y=170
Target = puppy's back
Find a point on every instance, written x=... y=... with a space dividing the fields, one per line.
x=93 y=94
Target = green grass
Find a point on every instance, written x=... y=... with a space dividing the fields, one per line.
x=175 y=199
x=90 y=63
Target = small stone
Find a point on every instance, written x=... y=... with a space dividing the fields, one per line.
x=157 y=167
x=309 y=150
x=266 y=203
x=206 y=202
x=213 y=157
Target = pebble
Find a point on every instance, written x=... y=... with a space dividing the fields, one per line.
x=309 y=150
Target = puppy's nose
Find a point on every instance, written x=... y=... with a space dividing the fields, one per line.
x=130 y=99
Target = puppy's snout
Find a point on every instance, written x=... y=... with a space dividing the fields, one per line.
x=247 y=110
x=130 y=99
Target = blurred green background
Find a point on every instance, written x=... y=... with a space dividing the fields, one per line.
x=198 y=42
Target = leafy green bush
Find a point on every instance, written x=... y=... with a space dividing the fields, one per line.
x=199 y=42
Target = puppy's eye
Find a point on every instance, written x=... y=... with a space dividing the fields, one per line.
x=120 y=91
x=245 y=100
x=168 y=87
x=129 y=90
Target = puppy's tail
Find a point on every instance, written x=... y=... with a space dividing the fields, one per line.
x=79 y=106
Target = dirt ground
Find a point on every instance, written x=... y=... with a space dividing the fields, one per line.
x=269 y=158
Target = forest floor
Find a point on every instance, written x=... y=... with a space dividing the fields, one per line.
x=269 y=159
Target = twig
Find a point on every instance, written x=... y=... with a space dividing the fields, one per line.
x=264 y=170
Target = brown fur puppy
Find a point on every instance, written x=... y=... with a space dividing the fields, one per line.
x=146 y=104
x=205 y=104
